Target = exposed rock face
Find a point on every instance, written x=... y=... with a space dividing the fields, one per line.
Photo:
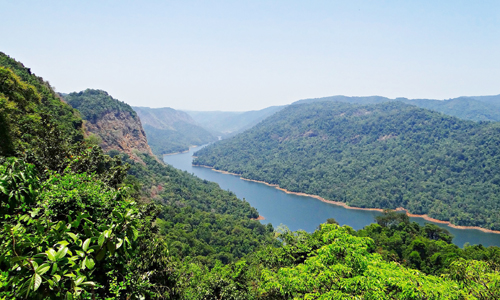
x=116 y=124
x=120 y=131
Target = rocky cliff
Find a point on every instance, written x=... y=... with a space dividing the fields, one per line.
x=111 y=123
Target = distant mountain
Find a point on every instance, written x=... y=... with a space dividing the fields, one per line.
x=231 y=123
x=169 y=130
x=385 y=155
x=115 y=123
x=477 y=108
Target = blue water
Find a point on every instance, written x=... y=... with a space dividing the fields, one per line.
x=301 y=212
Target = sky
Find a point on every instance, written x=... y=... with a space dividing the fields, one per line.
x=247 y=55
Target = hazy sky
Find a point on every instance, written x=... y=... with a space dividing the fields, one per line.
x=245 y=55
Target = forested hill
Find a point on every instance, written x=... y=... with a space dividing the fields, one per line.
x=187 y=200
x=76 y=223
x=477 y=108
x=106 y=226
x=386 y=155
x=229 y=123
x=111 y=123
x=169 y=130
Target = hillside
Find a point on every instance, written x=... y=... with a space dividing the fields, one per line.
x=477 y=108
x=231 y=123
x=115 y=124
x=78 y=224
x=387 y=155
x=169 y=130
x=187 y=200
x=121 y=213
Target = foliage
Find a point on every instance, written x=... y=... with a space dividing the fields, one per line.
x=169 y=130
x=478 y=108
x=93 y=104
x=386 y=155
x=199 y=219
x=344 y=268
x=54 y=236
x=65 y=118
x=165 y=141
x=70 y=227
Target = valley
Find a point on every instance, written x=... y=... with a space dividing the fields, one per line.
x=84 y=197
x=304 y=212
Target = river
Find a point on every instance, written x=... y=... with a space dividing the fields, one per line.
x=301 y=212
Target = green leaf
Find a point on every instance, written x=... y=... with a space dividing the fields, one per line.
x=101 y=239
x=36 y=280
x=57 y=277
x=42 y=269
x=54 y=269
x=17 y=258
x=88 y=283
x=62 y=252
x=135 y=233
x=73 y=236
x=51 y=254
x=69 y=296
x=79 y=280
x=111 y=247
x=90 y=263
x=119 y=244
x=101 y=254
x=64 y=243
x=86 y=244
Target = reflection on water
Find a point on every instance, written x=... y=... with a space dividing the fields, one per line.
x=299 y=212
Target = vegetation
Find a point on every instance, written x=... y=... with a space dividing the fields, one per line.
x=170 y=131
x=199 y=219
x=479 y=108
x=163 y=141
x=78 y=224
x=94 y=104
x=66 y=119
x=387 y=155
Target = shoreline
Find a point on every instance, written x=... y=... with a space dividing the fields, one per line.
x=344 y=205
x=185 y=151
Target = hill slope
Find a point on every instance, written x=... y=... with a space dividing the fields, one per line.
x=113 y=121
x=70 y=228
x=187 y=200
x=386 y=155
x=478 y=108
x=169 y=130
x=231 y=123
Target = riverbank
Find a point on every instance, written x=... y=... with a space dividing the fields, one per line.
x=344 y=205
x=185 y=151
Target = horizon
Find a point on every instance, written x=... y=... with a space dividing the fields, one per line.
x=225 y=56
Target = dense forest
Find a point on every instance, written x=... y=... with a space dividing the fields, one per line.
x=170 y=131
x=386 y=155
x=76 y=223
x=476 y=108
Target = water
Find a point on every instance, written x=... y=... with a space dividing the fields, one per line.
x=300 y=212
